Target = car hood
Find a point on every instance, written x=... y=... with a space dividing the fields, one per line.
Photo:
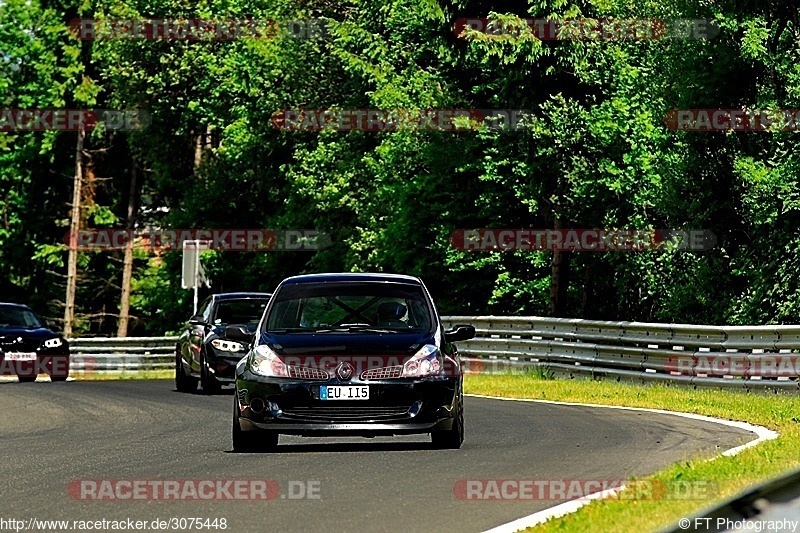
x=218 y=332
x=346 y=343
x=9 y=334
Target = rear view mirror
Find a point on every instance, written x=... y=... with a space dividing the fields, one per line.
x=239 y=332
x=460 y=332
x=197 y=320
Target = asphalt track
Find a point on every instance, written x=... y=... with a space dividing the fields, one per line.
x=54 y=433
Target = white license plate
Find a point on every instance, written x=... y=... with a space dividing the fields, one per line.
x=344 y=392
x=20 y=356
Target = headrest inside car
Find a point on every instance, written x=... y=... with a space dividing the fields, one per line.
x=391 y=311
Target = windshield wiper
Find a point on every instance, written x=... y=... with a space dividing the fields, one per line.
x=356 y=329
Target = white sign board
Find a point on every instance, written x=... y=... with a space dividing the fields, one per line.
x=192 y=273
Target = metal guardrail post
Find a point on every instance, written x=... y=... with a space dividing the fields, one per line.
x=101 y=354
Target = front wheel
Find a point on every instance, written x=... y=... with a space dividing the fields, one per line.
x=59 y=368
x=209 y=383
x=250 y=441
x=451 y=438
x=183 y=383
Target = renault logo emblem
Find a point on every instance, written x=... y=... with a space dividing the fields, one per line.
x=344 y=371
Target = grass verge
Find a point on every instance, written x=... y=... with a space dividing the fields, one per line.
x=124 y=374
x=728 y=475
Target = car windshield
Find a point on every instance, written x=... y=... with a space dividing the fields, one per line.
x=244 y=311
x=18 y=317
x=350 y=307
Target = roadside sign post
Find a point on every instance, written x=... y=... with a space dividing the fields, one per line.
x=192 y=273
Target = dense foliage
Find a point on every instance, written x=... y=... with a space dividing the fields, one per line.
x=598 y=155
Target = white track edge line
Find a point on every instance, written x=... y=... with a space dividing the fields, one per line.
x=762 y=434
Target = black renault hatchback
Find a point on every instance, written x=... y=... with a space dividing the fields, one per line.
x=349 y=354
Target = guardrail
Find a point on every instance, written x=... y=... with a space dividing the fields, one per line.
x=104 y=354
x=740 y=357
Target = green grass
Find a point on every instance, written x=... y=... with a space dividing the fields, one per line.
x=107 y=375
x=727 y=475
x=123 y=374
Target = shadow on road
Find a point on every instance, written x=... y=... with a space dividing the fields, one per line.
x=225 y=391
x=336 y=447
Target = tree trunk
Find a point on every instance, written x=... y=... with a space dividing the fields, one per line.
x=201 y=143
x=559 y=277
x=75 y=225
x=127 y=263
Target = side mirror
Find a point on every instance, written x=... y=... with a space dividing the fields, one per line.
x=197 y=320
x=460 y=332
x=238 y=332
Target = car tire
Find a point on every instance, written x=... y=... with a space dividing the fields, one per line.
x=183 y=383
x=209 y=383
x=250 y=441
x=27 y=379
x=451 y=439
x=59 y=376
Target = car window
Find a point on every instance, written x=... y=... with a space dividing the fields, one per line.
x=18 y=317
x=205 y=309
x=349 y=305
x=244 y=311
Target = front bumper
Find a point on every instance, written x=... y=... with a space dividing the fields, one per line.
x=395 y=406
x=54 y=364
x=222 y=365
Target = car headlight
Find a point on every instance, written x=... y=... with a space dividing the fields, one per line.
x=53 y=343
x=265 y=362
x=227 y=346
x=426 y=362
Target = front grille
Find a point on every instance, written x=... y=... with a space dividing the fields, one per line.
x=386 y=372
x=346 y=413
x=10 y=344
x=304 y=372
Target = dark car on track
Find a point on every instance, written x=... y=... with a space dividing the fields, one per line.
x=349 y=354
x=203 y=353
x=28 y=348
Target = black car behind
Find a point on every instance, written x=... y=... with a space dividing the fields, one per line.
x=349 y=354
x=203 y=353
x=28 y=348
